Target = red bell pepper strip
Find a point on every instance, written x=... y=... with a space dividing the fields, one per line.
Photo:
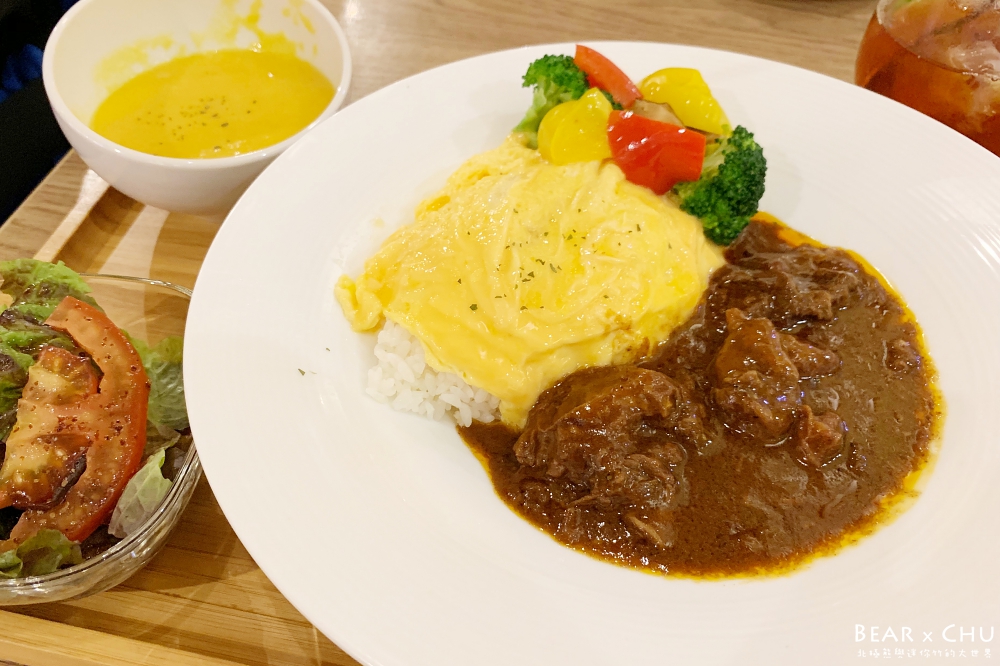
x=604 y=74
x=654 y=154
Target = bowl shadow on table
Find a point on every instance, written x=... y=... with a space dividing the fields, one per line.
x=121 y=236
x=203 y=594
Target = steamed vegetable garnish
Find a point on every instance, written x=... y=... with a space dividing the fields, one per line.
x=687 y=94
x=576 y=131
x=730 y=188
x=556 y=79
x=604 y=74
x=667 y=134
x=656 y=111
x=75 y=392
x=654 y=154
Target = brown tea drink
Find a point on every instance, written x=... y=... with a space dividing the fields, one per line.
x=940 y=57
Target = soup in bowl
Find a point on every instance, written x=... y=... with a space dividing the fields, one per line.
x=180 y=104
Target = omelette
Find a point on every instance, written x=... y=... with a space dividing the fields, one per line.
x=519 y=272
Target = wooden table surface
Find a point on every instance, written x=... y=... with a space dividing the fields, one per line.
x=203 y=600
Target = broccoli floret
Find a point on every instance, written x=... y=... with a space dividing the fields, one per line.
x=730 y=187
x=614 y=105
x=556 y=79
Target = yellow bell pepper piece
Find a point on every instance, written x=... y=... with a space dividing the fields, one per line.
x=576 y=131
x=687 y=93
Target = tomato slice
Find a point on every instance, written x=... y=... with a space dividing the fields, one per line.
x=654 y=154
x=605 y=75
x=45 y=450
x=113 y=420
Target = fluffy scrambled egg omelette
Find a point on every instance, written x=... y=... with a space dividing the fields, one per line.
x=519 y=272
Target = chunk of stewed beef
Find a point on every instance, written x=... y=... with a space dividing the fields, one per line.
x=818 y=439
x=577 y=428
x=815 y=303
x=791 y=284
x=756 y=382
x=593 y=431
x=809 y=359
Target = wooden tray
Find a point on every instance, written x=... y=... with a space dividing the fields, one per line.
x=202 y=600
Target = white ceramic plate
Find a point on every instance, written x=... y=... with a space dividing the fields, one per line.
x=384 y=530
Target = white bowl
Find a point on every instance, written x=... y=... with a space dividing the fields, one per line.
x=82 y=66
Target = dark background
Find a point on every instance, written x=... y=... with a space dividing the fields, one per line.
x=30 y=141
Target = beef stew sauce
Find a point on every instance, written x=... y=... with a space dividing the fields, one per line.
x=787 y=417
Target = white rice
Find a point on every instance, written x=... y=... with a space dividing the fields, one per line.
x=403 y=380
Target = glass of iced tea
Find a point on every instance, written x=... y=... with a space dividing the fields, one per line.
x=941 y=57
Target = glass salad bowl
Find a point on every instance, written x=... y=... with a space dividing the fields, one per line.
x=149 y=310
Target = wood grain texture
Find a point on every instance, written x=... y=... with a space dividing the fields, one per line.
x=30 y=226
x=203 y=600
x=39 y=643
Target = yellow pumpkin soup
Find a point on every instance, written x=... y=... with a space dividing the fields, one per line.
x=214 y=104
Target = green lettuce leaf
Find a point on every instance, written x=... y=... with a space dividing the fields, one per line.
x=163 y=365
x=37 y=287
x=47 y=551
x=159 y=437
x=26 y=335
x=13 y=377
x=141 y=497
x=10 y=564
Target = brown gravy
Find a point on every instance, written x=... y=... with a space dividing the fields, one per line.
x=778 y=421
